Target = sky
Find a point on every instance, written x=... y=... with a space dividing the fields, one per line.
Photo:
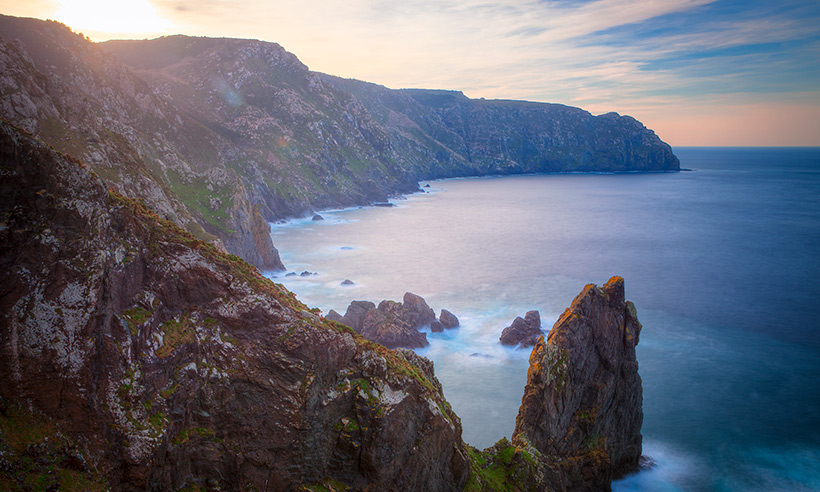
x=698 y=72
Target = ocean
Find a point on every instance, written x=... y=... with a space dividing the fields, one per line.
x=722 y=263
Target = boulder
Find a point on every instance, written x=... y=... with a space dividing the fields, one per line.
x=416 y=311
x=387 y=325
x=448 y=319
x=317 y=218
x=347 y=282
x=582 y=405
x=356 y=312
x=436 y=327
x=523 y=332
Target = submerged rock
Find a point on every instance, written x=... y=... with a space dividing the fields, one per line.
x=448 y=319
x=347 y=282
x=317 y=218
x=582 y=405
x=523 y=332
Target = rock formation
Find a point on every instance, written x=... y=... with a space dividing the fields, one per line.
x=448 y=319
x=523 y=332
x=135 y=356
x=582 y=405
x=393 y=324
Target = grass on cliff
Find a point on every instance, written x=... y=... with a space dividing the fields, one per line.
x=503 y=467
x=36 y=456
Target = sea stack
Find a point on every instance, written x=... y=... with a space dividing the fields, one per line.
x=582 y=405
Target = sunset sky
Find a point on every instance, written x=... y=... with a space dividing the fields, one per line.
x=698 y=72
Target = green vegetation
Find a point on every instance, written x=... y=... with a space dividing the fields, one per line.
x=202 y=432
x=326 y=485
x=175 y=333
x=135 y=317
x=501 y=468
x=36 y=456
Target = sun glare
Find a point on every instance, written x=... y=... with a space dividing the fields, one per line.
x=117 y=16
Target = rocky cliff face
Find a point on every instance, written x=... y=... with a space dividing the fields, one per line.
x=221 y=135
x=136 y=356
x=582 y=406
x=70 y=94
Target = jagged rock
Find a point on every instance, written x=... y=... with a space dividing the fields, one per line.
x=393 y=324
x=290 y=274
x=416 y=311
x=356 y=312
x=175 y=365
x=332 y=315
x=582 y=405
x=448 y=319
x=436 y=326
x=307 y=274
x=388 y=326
x=523 y=332
x=347 y=282
x=317 y=218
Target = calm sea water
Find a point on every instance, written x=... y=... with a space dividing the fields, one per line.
x=723 y=264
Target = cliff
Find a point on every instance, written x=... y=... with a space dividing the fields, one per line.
x=135 y=356
x=66 y=91
x=582 y=405
x=222 y=135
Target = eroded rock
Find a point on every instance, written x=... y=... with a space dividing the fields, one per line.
x=582 y=405
x=523 y=332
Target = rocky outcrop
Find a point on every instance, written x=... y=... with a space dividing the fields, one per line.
x=416 y=311
x=523 y=332
x=582 y=405
x=172 y=365
x=448 y=319
x=393 y=324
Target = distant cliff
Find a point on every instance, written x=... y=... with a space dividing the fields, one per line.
x=222 y=135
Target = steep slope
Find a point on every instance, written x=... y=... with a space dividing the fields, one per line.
x=224 y=135
x=64 y=89
x=318 y=146
x=157 y=362
x=459 y=136
x=582 y=406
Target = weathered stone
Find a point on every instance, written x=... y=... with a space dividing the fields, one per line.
x=436 y=326
x=317 y=218
x=416 y=310
x=347 y=282
x=523 y=332
x=175 y=365
x=582 y=406
x=448 y=319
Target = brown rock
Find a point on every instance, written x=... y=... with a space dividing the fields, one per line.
x=523 y=332
x=416 y=311
x=436 y=327
x=176 y=365
x=448 y=319
x=582 y=406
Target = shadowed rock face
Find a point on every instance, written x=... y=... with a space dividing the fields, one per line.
x=175 y=365
x=582 y=405
x=523 y=332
